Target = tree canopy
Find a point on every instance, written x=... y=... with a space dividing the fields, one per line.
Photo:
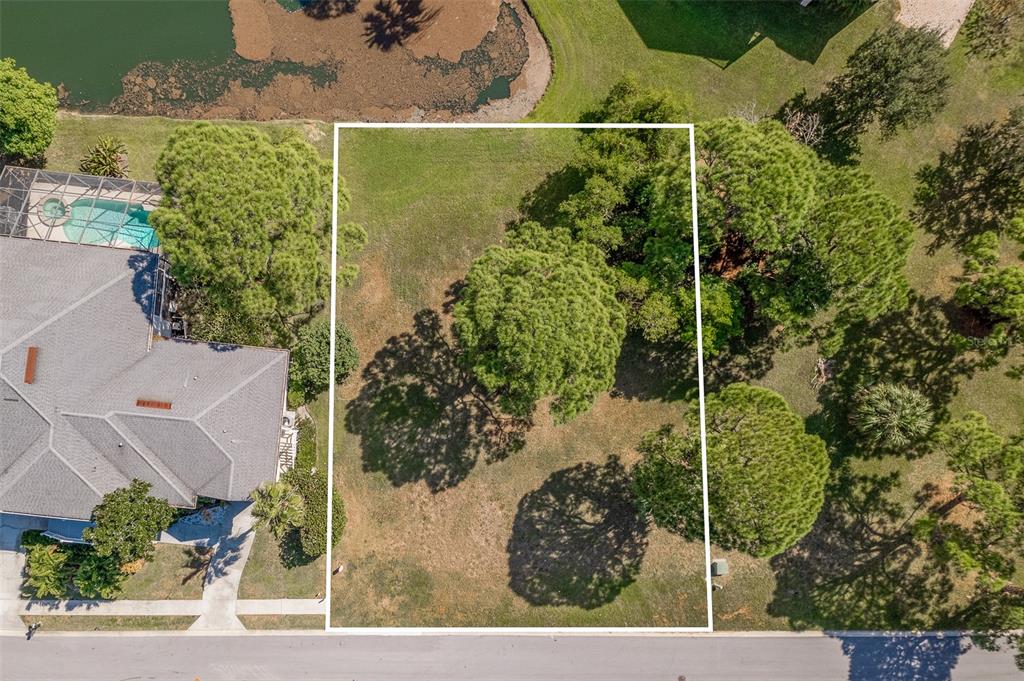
x=997 y=298
x=245 y=219
x=988 y=479
x=309 y=371
x=127 y=521
x=28 y=112
x=537 y=318
x=892 y=416
x=766 y=476
x=279 y=507
x=783 y=235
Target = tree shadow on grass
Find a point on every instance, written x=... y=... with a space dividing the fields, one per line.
x=290 y=550
x=578 y=539
x=392 y=22
x=745 y=359
x=542 y=202
x=859 y=567
x=197 y=560
x=918 y=347
x=722 y=32
x=655 y=372
x=966 y=192
x=420 y=416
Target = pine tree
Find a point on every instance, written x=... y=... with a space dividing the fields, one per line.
x=538 y=317
x=766 y=476
x=245 y=219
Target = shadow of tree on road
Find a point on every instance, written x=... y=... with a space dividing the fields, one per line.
x=902 y=658
x=578 y=539
x=420 y=416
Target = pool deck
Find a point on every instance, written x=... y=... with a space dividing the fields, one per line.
x=29 y=189
x=43 y=190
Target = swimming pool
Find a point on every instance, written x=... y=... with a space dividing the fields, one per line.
x=105 y=221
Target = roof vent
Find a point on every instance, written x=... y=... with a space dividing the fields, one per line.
x=152 y=404
x=30 y=364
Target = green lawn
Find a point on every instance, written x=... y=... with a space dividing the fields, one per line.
x=717 y=56
x=109 y=623
x=276 y=571
x=144 y=137
x=446 y=526
x=171 y=574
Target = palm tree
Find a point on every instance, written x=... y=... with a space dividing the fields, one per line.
x=892 y=416
x=278 y=506
x=108 y=157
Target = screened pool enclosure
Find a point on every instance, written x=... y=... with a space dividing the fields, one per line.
x=75 y=208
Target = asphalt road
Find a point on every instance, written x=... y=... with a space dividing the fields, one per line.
x=481 y=658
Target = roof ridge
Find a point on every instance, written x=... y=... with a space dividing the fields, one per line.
x=206 y=434
x=238 y=387
x=161 y=470
x=78 y=303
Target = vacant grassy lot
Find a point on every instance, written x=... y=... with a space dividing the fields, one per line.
x=109 y=623
x=723 y=58
x=446 y=525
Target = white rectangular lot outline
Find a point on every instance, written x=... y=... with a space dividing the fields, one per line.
x=700 y=390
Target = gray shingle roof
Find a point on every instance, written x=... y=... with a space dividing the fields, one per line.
x=76 y=432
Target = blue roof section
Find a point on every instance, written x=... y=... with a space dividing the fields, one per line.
x=68 y=531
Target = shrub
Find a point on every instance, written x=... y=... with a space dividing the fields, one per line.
x=305 y=458
x=310 y=368
x=892 y=416
x=313 y=534
x=107 y=157
x=28 y=112
x=99 y=577
x=46 y=565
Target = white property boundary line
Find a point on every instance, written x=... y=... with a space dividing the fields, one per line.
x=374 y=631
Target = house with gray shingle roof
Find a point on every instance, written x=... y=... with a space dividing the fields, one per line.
x=92 y=395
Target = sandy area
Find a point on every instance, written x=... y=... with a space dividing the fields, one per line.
x=945 y=15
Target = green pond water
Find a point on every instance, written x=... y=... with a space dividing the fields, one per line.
x=90 y=44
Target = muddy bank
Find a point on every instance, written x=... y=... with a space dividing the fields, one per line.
x=357 y=60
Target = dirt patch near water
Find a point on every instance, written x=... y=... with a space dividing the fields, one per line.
x=336 y=60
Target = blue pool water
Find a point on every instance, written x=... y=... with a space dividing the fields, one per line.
x=103 y=221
